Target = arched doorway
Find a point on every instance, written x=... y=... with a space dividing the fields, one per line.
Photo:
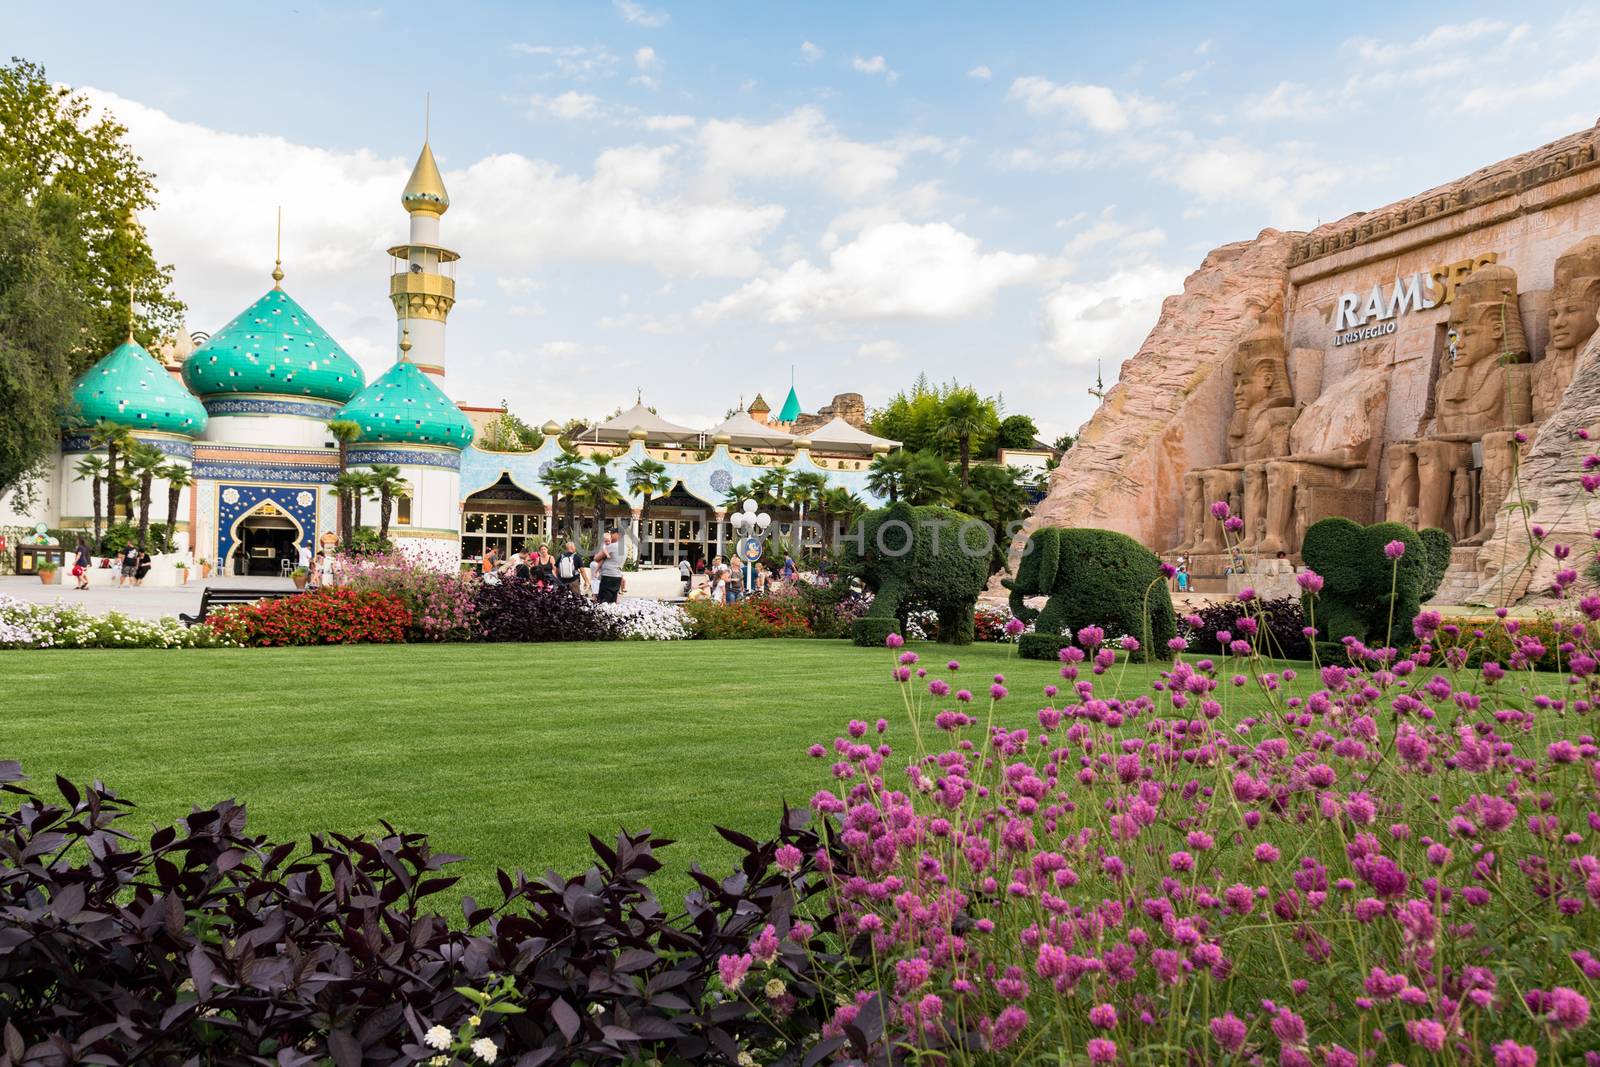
x=264 y=538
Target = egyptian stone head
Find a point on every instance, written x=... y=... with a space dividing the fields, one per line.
x=1261 y=371
x=1576 y=296
x=1485 y=318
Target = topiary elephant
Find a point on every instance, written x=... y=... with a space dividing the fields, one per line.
x=919 y=555
x=1365 y=594
x=1094 y=578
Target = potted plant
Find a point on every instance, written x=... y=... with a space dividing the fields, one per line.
x=47 y=572
x=183 y=572
x=300 y=575
x=205 y=567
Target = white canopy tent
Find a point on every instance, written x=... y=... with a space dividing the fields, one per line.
x=838 y=434
x=655 y=427
x=748 y=433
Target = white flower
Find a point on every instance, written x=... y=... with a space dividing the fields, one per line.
x=485 y=1049
x=437 y=1037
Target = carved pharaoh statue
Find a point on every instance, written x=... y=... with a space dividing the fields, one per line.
x=1574 y=300
x=1482 y=394
x=1263 y=409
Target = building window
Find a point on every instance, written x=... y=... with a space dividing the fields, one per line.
x=402 y=510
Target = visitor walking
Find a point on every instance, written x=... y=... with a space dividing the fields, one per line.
x=685 y=571
x=544 y=566
x=130 y=564
x=610 y=556
x=303 y=549
x=1183 y=576
x=788 y=569
x=569 y=568
x=80 y=564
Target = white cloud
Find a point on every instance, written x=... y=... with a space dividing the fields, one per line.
x=1124 y=241
x=667 y=123
x=981 y=72
x=572 y=60
x=1287 y=100
x=1101 y=108
x=1449 y=35
x=810 y=52
x=1203 y=48
x=560 y=348
x=568 y=105
x=875 y=65
x=1581 y=78
x=639 y=15
x=1280 y=178
x=647 y=62
x=1106 y=319
x=881 y=351
x=803 y=145
x=897 y=270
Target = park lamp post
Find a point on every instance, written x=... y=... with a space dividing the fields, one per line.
x=749 y=526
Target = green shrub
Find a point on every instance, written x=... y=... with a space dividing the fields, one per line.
x=751 y=617
x=1041 y=646
x=1095 y=578
x=933 y=557
x=1356 y=598
x=1438 y=545
x=871 y=631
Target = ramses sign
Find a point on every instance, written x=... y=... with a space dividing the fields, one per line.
x=1359 y=319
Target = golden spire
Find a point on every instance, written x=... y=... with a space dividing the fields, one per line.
x=277 y=266
x=405 y=342
x=425 y=191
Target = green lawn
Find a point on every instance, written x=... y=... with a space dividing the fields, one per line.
x=509 y=754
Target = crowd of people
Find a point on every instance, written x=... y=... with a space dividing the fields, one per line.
x=129 y=567
x=600 y=576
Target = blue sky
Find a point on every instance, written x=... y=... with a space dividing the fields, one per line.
x=689 y=198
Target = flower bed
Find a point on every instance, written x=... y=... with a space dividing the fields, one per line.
x=28 y=625
x=333 y=616
x=442 y=600
x=649 y=620
x=753 y=617
x=519 y=609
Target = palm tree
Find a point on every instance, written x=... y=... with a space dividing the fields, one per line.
x=92 y=469
x=806 y=488
x=886 y=476
x=649 y=478
x=966 y=416
x=564 y=479
x=771 y=487
x=599 y=488
x=838 y=504
x=178 y=478
x=142 y=461
x=115 y=439
x=348 y=487
x=385 y=480
x=999 y=497
x=928 y=480
x=346 y=432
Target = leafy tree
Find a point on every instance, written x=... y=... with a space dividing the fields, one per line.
x=967 y=418
x=116 y=440
x=92 y=469
x=1016 y=431
x=839 y=504
x=805 y=489
x=142 y=463
x=178 y=478
x=385 y=480
x=564 y=479
x=999 y=496
x=886 y=475
x=348 y=487
x=1065 y=442
x=598 y=489
x=71 y=257
x=649 y=478
x=928 y=480
x=346 y=432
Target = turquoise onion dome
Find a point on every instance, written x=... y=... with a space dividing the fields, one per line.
x=273 y=346
x=128 y=387
x=405 y=407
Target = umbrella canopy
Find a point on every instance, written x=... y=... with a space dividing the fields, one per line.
x=655 y=427
x=836 y=433
x=752 y=434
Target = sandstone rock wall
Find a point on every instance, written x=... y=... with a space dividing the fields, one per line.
x=1169 y=410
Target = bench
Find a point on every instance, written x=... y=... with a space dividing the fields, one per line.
x=222 y=598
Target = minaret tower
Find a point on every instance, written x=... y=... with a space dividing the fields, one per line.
x=423 y=287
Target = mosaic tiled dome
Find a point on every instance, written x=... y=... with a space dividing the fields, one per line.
x=404 y=406
x=130 y=388
x=273 y=346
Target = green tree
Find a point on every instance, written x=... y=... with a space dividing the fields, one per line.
x=346 y=432
x=564 y=479
x=649 y=478
x=968 y=418
x=384 y=480
x=73 y=263
x=805 y=490
x=1016 y=431
x=598 y=489
x=886 y=475
x=92 y=469
x=116 y=440
x=999 y=496
x=1065 y=442
x=348 y=487
x=928 y=480
x=142 y=463
x=178 y=478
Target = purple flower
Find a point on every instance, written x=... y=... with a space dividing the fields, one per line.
x=1426 y=1032
x=1394 y=549
x=1510 y=1054
x=788 y=858
x=1569 y=1009
x=1103 y=1016
x=732 y=969
x=1102 y=1050
x=1220 y=509
x=1015 y=626
x=894 y=641
x=1229 y=1032
x=997 y=692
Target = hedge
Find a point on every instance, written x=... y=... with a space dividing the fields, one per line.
x=1095 y=578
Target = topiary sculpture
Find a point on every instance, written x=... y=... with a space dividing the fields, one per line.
x=1438 y=544
x=934 y=556
x=1094 y=578
x=1366 y=594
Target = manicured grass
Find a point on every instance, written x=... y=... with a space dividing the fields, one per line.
x=509 y=754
